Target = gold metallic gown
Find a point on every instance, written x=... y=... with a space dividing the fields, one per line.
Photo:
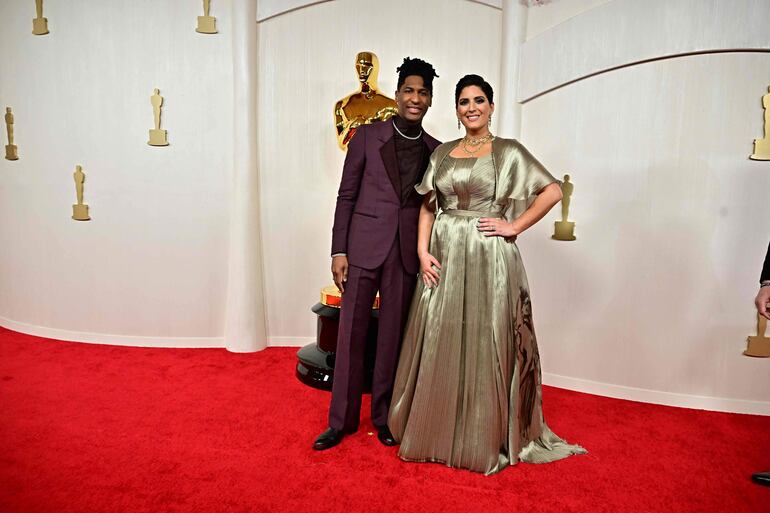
x=467 y=389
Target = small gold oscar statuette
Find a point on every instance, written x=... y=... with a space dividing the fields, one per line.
x=206 y=24
x=762 y=146
x=80 y=210
x=158 y=137
x=11 y=151
x=39 y=24
x=564 y=229
x=759 y=345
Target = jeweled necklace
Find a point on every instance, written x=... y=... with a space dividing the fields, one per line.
x=402 y=134
x=475 y=142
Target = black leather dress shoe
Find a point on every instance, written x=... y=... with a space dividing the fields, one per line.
x=328 y=439
x=385 y=436
x=762 y=478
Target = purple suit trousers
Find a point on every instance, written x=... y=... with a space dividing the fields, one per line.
x=377 y=229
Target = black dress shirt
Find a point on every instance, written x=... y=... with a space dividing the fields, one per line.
x=409 y=153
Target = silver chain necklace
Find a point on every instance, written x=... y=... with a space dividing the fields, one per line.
x=402 y=134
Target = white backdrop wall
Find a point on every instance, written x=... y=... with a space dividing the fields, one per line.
x=153 y=261
x=309 y=55
x=544 y=17
x=151 y=267
x=652 y=302
x=655 y=299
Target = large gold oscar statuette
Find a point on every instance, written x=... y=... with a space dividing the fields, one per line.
x=79 y=210
x=365 y=105
x=206 y=24
x=564 y=229
x=158 y=137
x=39 y=24
x=762 y=146
x=11 y=151
x=759 y=345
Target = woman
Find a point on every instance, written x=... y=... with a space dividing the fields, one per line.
x=467 y=390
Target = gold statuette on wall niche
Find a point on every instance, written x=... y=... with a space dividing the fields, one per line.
x=79 y=210
x=11 y=151
x=206 y=24
x=39 y=24
x=762 y=146
x=564 y=229
x=759 y=345
x=365 y=105
x=158 y=137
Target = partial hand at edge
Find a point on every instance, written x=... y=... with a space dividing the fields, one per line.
x=763 y=297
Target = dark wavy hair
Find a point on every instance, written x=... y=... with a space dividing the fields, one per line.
x=473 y=80
x=416 y=67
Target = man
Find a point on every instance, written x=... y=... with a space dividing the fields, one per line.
x=763 y=297
x=374 y=247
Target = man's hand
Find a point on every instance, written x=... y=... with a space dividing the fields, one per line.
x=763 y=296
x=340 y=271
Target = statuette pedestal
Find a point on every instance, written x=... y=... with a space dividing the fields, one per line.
x=11 y=152
x=207 y=25
x=80 y=213
x=758 y=347
x=158 y=138
x=564 y=230
x=40 y=26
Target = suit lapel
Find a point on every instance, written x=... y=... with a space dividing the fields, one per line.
x=389 y=159
x=424 y=162
x=427 y=148
x=429 y=142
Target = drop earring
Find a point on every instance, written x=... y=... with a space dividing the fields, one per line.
x=458 y=123
x=489 y=123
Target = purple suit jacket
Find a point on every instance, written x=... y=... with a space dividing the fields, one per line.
x=370 y=209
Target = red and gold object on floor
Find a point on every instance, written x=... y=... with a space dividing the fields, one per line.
x=315 y=362
x=330 y=296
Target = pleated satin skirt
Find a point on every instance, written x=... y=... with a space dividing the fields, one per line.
x=468 y=388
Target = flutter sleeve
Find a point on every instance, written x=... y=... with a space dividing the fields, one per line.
x=526 y=177
x=428 y=183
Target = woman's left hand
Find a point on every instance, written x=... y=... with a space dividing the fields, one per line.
x=493 y=227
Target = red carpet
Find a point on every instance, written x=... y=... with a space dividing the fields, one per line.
x=89 y=428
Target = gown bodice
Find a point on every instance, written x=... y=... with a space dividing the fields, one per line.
x=466 y=184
